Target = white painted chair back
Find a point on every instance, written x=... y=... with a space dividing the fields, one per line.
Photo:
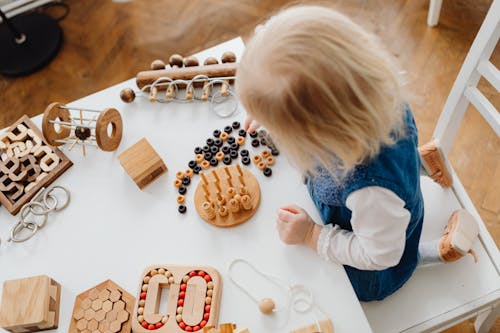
x=439 y=297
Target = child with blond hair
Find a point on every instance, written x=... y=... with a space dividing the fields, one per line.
x=329 y=95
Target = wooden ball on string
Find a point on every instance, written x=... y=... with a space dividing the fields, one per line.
x=266 y=306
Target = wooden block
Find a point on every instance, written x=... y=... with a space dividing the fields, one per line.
x=51 y=160
x=30 y=304
x=189 y=290
x=105 y=307
x=326 y=326
x=218 y=182
x=142 y=163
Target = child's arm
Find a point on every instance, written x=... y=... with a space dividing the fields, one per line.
x=379 y=221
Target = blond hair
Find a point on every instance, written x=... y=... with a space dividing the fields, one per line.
x=324 y=88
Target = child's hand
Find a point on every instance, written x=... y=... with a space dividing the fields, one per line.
x=251 y=125
x=295 y=226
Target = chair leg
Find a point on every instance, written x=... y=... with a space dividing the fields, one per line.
x=434 y=11
x=485 y=320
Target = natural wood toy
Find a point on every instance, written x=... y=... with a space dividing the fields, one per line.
x=325 y=326
x=27 y=163
x=193 y=301
x=227 y=196
x=30 y=304
x=104 y=308
x=225 y=328
x=142 y=163
x=89 y=127
x=186 y=73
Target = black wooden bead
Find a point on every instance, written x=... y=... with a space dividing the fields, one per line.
x=208 y=155
x=255 y=143
x=198 y=150
x=182 y=209
x=242 y=133
x=214 y=162
x=233 y=154
x=254 y=134
x=210 y=142
x=192 y=164
x=263 y=142
x=206 y=148
x=231 y=140
x=245 y=160
x=227 y=160
x=235 y=146
x=244 y=152
x=226 y=149
x=228 y=129
x=235 y=124
x=218 y=142
x=275 y=152
x=182 y=190
x=197 y=169
x=186 y=181
x=217 y=133
x=268 y=172
x=214 y=150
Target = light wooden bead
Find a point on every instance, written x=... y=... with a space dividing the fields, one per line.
x=243 y=190
x=261 y=165
x=146 y=279
x=210 y=285
x=208 y=300
x=161 y=271
x=179 y=310
x=140 y=318
x=157 y=64
x=142 y=303
x=189 y=173
x=257 y=159
x=230 y=192
x=164 y=319
x=210 y=293
x=145 y=287
x=171 y=280
x=224 y=136
x=266 y=154
x=234 y=206
x=178 y=183
x=178 y=318
x=181 y=199
x=168 y=274
x=237 y=197
x=199 y=158
x=240 y=140
x=140 y=310
x=228 y=56
x=179 y=175
x=175 y=60
x=223 y=211
x=153 y=272
x=185 y=279
x=219 y=156
x=127 y=95
x=266 y=306
x=210 y=61
x=205 y=165
x=270 y=160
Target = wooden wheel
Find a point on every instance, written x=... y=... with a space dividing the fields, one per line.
x=54 y=112
x=109 y=141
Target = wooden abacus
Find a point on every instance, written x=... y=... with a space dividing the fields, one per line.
x=227 y=196
x=27 y=163
x=193 y=301
x=185 y=73
x=82 y=129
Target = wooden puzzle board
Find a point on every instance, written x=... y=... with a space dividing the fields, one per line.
x=104 y=308
x=27 y=163
x=231 y=219
x=193 y=301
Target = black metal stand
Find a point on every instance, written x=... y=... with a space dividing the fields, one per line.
x=27 y=43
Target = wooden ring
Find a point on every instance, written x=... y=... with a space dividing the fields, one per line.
x=261 y=165
x=205 y=165
x=179 y=175
x=270 y=160
x=189 y=173
x=177 y=183
x=240 y=140
x=53 y=112
x=219 y=156
x=106 y=141
x=266 y=153
x=181 y=199
x=257 y=159
x=199 y=158
x=224 y=136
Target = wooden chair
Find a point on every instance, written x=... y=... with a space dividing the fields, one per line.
x=441 y=296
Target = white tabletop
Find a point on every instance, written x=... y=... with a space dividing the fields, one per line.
x=113 y=230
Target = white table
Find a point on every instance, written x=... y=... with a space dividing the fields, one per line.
x=113 y=230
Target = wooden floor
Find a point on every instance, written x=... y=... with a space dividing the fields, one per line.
x=107 y=42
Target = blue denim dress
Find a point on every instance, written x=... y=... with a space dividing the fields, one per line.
x=397 y=168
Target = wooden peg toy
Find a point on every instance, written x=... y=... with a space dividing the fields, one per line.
x=30 y=304
x=325 y=326
x=193 y=301
x=104 y=308
x=62 y=124
x=142 y=163
x=231 y=208
x=27 y=163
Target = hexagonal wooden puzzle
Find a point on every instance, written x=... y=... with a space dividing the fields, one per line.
x=30 y=304
x=104 y=308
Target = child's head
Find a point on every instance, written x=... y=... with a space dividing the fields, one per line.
x=324 y=88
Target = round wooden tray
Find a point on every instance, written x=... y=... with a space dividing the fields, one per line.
x=231 y=219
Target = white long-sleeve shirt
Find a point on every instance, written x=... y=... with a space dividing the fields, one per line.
x=377 y=240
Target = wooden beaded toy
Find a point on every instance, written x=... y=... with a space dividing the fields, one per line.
x=103 y=130
x=30 y=304
x=142 y=163
x=103 y=308
x=193 y=302
x=27 y=163
x=186 y=73
x=227 y=196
